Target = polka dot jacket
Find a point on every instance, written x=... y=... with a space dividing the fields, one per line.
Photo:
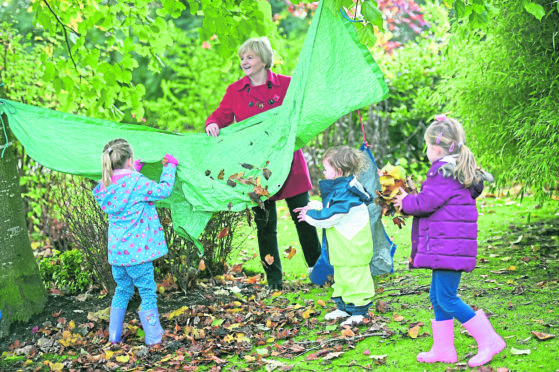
x=135 y=233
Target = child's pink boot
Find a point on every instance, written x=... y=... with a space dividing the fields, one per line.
x=489 y=343
x=443 y=343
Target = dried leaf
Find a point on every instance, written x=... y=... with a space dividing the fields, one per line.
x=269 y=259
x=261 y=191
x=231 y=183
x=321 y=303
x=256 y=198
x=266 y=173
x=237 y=176
x=208 y=172
x=247 y=166
x=122 y=358
x=290 y=252
x=381 y=307
x=177 y=312
x=223 y=233
x=347 y=332
x=221 y=174
x=413 y=331
x=398 y=318
x=229 y=205
x=202 y=265
x=543 y=336
x=333 y=355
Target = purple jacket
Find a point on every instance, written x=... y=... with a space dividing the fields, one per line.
x=444 y=230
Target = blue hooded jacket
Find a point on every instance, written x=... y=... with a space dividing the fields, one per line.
x=135 y=233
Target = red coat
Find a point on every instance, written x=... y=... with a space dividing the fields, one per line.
x=241 y=101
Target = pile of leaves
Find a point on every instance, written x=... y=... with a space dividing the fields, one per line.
x=239 y=322
x=392 y=178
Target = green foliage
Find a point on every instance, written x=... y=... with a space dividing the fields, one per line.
x=411 y=73
x=503 y=83
x=195 y=81
x=65 y=271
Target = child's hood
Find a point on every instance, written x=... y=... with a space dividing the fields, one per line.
x=447 y=165
x=114 y=198
x=350 y=183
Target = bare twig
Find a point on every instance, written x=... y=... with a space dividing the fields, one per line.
x=64 y=28
x=403 y=293
x=324 y=342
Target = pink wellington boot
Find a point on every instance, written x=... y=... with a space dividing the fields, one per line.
x=489 y=343
x=443 y=343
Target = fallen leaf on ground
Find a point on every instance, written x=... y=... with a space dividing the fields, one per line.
x=543 y=336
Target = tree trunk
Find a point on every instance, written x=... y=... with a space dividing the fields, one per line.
x=22 y=293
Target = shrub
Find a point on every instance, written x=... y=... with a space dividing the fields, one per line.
x=66 y=271
x=88 y=230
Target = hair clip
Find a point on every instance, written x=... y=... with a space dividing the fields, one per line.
x=451 y=148
x=109 y=150
x=439 y=138
x=440 y=117
x=460 y=144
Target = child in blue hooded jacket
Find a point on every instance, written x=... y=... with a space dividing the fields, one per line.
x=135 y=234
x=344 y=216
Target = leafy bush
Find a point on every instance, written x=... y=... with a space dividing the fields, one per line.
x=502 y=81
x=65 y=271
x=88 y=230
x=88 y=227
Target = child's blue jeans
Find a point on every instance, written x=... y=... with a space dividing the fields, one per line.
x=443 y=295
x=141 y=276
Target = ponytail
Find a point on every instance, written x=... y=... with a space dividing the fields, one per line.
x=107 y=167
x=466 y=166
x=115 y=155
x=449 y=134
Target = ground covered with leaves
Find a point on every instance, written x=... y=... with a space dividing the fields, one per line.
x=233 y=323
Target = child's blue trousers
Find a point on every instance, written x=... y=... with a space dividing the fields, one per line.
x=141 y=276
x=443 y=295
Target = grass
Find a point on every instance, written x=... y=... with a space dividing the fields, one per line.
x=516 y=280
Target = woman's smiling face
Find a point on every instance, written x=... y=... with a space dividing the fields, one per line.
x=251 y=64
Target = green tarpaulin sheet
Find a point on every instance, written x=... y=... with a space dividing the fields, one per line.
x=335 y=75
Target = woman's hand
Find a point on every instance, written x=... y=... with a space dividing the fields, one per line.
x=302 y=213
x=398 y=198
x=212 y=129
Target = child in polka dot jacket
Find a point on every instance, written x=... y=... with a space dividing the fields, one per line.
x=135 y=234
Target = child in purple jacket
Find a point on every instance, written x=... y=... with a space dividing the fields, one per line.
x=444 y=239
x=135 y=234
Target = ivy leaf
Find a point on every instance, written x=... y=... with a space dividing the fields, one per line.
x=535 y=9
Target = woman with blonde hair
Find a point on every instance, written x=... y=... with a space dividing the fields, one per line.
x=258 y=91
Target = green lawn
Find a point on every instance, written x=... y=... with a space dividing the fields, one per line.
x=516 y=281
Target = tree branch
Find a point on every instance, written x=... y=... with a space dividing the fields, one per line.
x=65 y=28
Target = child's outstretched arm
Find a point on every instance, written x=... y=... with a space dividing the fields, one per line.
x=156 y=191
x=332 y=215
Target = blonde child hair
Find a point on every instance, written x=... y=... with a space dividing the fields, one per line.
x=450 y=136
x=115 y=155
x=261 y=47
x=347 y=159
